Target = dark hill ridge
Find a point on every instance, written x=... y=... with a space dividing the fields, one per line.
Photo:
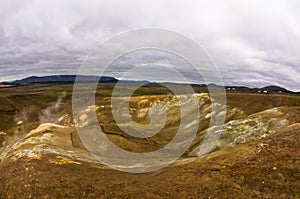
x=266 y=90
x=63 y=79
x=272 y=89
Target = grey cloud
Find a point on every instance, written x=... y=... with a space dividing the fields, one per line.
x=253 y=42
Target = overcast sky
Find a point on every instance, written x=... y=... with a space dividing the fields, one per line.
x=254 y=42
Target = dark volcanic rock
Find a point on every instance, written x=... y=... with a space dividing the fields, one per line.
x=63 y=79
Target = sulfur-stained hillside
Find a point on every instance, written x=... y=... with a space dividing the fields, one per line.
x=267 y=168
x=255 y=156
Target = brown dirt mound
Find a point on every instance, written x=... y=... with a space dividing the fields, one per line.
x=268 y=168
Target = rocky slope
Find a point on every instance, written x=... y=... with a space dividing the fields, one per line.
x=268 y=168
x=63 y=139
x=256 y=155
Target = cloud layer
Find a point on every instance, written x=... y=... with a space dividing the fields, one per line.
x=253 y=42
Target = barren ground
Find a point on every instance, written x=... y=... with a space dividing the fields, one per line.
x=266 y=164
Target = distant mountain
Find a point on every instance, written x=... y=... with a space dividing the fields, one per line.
x=60 y=79
x=63 y=79
x=265 y=90
x=275 y=89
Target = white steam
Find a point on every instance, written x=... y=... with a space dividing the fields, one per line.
x=50 y=114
